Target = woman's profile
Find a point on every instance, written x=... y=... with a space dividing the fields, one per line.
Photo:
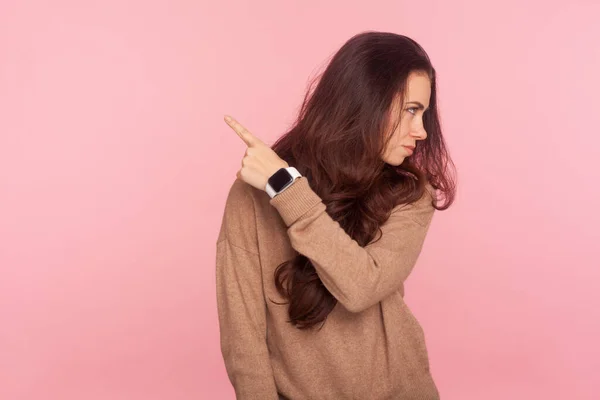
x=321 y=230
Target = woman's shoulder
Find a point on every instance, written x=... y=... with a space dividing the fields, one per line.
x=240 y=193
x=238 y=223
x=420 y=210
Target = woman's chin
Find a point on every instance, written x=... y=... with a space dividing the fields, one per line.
x=396 y=162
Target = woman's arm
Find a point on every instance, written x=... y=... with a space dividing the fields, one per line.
x=358 y=277
x=240 y=301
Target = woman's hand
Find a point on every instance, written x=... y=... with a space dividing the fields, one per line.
x=259 y=162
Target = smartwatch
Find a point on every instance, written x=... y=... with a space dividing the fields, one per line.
x=281 y=180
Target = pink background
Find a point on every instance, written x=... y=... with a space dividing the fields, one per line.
x=115 y=164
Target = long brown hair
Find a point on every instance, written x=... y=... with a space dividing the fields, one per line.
x=337 y=142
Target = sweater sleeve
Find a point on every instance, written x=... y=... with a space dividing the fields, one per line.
x=240 y=302
x=358 y=277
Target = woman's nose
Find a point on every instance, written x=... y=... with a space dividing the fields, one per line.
x=419 y=134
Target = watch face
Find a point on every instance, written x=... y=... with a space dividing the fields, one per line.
x=280 y=179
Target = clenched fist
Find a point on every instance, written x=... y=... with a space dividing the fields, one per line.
x=259 y=162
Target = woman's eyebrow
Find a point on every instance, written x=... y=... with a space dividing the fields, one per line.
x=421 y=106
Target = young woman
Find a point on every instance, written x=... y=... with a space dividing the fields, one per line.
x=321 y=230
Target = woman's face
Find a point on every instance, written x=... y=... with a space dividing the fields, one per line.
x=410 y=129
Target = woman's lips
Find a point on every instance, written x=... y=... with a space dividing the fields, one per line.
x=409 y=149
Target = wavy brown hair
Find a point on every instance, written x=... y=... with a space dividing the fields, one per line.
x=337 y=142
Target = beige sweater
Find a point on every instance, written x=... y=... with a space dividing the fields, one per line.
x=371 y=347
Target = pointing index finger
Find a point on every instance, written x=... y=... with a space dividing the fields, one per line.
x=242 y=132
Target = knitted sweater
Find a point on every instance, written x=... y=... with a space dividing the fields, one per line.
x=370 y=347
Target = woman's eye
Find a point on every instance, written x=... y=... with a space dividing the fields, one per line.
x=412 y=110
